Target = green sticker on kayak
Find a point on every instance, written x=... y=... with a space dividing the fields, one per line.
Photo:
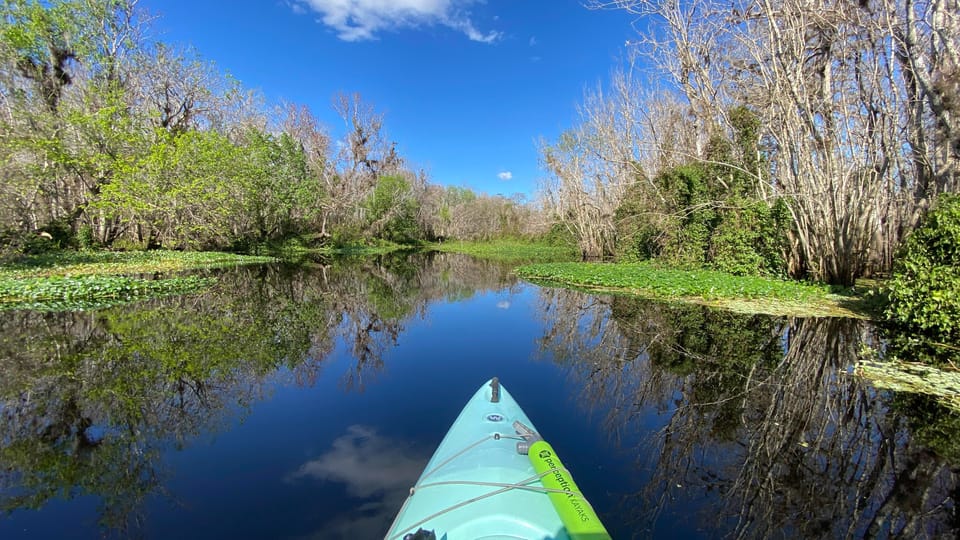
x=575 y=512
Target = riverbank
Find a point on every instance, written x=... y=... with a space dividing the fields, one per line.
x=747 y=294
x=511 y=251
x=66 y=280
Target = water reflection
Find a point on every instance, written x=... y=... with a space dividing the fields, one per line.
x=90 y=400
x=717 y=424
x=760 y=422
x=377 y=469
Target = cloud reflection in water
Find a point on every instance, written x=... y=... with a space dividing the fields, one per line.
x=370 y=466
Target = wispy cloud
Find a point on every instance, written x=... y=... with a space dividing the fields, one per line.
x=533 y=41
x=359 y=20
x=505 y=175
x=503 y=304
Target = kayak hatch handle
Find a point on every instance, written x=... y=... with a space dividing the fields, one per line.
x=495 y=390
x=529 y=437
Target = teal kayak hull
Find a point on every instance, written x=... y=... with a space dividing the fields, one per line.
x=477 y=484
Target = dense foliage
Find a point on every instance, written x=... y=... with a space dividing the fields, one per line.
x=699 y=225
x=924 y=294
x=110 y=140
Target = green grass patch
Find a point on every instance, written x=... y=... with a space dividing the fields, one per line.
x=86 y=263
x=513 y=251
x=741 y=294
x=74 y=280
x=89 y=292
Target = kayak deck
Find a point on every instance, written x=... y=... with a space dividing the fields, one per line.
x=477 y=484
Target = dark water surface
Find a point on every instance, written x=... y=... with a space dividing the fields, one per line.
x=304 y=402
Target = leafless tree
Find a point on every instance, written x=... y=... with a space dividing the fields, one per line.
x=855 y=103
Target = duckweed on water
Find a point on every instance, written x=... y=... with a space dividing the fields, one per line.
x=916 y=378
x=83 y=263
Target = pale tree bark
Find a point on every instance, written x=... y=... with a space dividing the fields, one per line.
x=364 y=155
x=590 y=168
x=856 y=102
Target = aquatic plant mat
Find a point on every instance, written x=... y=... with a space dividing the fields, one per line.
x=118 y=263
x=509 y=251
x=90 y=292
x=912 y=377
x=91 y=280
x=742 y=294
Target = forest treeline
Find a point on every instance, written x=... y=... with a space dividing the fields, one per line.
x=108 y=139
x=792 y=137
x=778 y=137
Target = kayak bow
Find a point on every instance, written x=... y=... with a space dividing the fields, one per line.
x=493 y=476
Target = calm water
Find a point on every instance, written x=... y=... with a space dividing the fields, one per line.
x=304 y=402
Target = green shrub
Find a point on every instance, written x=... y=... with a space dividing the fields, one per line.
x=749 y=239
x=924 y=294
x=559 y=235
x=85 y=239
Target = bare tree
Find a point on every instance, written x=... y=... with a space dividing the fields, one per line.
x=590 y=167
x=365 y=154
x=855 y=102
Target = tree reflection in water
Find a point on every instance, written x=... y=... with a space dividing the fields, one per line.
x=90 y=400
x=763 y=426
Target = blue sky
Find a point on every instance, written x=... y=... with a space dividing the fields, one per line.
x=467 y=86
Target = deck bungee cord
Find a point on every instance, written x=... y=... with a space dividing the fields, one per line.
x=563 y=513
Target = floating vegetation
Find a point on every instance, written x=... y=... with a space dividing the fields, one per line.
x=85 y=263
x=912 y=377
x=717 y=289
x=78 y=280
x=90 y=292
x=510 y=251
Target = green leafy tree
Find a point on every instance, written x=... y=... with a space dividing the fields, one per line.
x=182 y=192
x=392 y=210
x=280 y=195
x=924 y=294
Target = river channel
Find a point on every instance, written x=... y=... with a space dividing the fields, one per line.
x=303 y=402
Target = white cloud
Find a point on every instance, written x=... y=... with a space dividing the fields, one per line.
x=503 y=304
x=533 y=40
x=297 y=8
x=505 y=175
x=359 y=20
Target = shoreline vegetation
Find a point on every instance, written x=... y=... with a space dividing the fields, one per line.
x=79 y=280
x=510 y=251
x=83 y=280
x=743 y=294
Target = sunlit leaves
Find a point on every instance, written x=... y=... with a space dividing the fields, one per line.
x=924 y=293
x=86 y=292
